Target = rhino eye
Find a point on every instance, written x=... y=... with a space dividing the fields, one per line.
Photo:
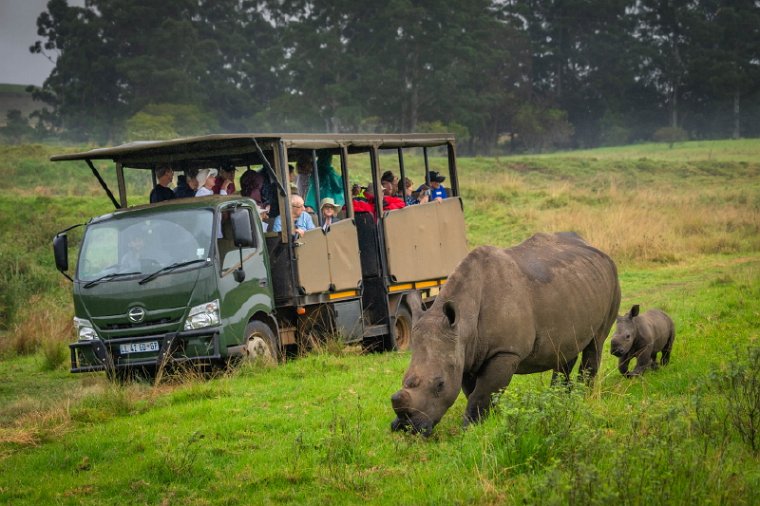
x=628 y=336
x=439 y=386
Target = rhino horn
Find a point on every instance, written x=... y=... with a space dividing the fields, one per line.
x=401 y=400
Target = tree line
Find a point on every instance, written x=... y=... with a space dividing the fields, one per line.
x=502 y=74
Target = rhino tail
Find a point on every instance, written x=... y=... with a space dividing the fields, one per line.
x=668 y=346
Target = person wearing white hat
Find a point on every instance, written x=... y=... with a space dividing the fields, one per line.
x=206 y=179
x=329 y=212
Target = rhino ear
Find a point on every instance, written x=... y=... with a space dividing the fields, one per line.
x=414 y=302
x=634 y=311
x=450 y=311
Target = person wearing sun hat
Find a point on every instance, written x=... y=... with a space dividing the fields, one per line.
x=329 y=210
x=206 y=179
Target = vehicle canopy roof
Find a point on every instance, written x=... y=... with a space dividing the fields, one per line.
x=242 y=149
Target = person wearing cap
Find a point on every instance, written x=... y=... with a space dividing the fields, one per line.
x=330 y=211
x=301 y=221
x=437 y=191
x=206 y=179
x=161 y=191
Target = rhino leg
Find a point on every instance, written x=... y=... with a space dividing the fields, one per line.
x=494 y=376
x=653 y=361
x=643 y=361
x=590 y=360
x=468 y=384
x=623 y=364
x=564 y=371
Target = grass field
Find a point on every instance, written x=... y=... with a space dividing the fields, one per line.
x=683 y=224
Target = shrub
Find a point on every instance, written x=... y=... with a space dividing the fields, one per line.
x=54 y=354
x=42 y=322
x=739 y=384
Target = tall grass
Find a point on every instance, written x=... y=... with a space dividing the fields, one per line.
x=635 y=213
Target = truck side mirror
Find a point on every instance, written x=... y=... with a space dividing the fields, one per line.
x=242 y=228
x=61 y=253
x=242 y=235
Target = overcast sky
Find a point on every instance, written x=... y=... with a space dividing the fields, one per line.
x=18 y=31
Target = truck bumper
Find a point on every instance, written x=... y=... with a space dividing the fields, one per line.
x=173 y=347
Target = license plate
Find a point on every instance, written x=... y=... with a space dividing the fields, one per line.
x=138 y=347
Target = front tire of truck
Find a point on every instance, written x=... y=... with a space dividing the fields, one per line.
x=261 y=343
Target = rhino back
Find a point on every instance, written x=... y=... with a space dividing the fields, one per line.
x=656 y=327
x=575 y=296
x=544 y=298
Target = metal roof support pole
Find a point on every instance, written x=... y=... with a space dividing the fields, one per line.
x=346 y=189
x=122 y=184
x=103 y=183
x=266 y=164
x=453 y=169
x=402 y=170
x=427 y=166
x=286 y=213
x=379 y=223
x=374 y=163
x=317 y=199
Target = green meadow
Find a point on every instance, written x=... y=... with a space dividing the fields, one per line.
x=682 y=224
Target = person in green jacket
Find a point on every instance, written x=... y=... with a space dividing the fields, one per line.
x=330 y=182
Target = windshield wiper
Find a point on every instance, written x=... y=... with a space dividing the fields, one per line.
x=168 y=268
x=107 y=277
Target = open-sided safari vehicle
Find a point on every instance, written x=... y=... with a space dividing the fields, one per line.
x=210 y=284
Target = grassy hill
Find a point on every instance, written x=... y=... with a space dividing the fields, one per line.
x=683 y=224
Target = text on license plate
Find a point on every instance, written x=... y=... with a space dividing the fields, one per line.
x=138 y=347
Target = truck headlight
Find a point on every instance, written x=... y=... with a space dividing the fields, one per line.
x=204 y=315
x=84 y=329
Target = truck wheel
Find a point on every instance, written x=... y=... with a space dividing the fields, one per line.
x=402 y=330
x=261 y=343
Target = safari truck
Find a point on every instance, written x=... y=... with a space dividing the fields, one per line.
x=211 y=281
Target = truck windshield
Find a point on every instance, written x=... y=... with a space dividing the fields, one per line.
x=141 y=245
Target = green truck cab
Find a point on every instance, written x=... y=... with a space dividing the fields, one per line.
x=205 y=280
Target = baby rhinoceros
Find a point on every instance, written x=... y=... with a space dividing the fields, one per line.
x=642 y=336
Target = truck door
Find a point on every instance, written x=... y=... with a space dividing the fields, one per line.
x=240 y=300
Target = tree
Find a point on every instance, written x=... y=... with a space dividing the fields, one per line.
x=17 y=128
x=584 y=60
x=83 y=89
x=728 y=59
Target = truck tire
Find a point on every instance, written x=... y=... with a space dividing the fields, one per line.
x=261 y=343
x=401 y=335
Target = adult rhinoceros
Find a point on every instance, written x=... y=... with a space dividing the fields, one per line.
x=521 y=310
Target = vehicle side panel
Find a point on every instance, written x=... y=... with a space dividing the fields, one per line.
x=329 y=261
x=425 y=241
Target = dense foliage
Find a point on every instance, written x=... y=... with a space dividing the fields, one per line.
x=516 y=74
